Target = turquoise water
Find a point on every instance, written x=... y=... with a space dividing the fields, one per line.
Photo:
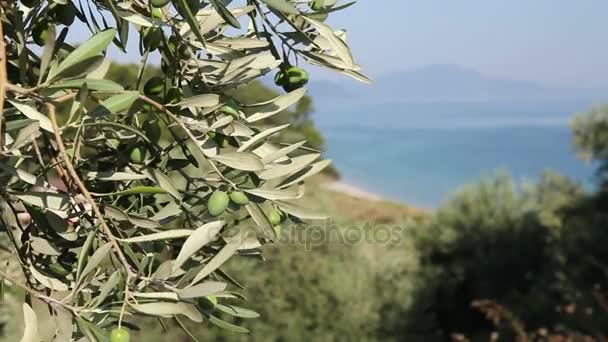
x=419 y=153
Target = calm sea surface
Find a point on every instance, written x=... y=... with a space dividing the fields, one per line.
x=420 y=153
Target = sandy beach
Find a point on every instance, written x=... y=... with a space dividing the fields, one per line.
x=352 y=190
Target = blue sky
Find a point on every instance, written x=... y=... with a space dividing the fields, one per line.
x=554 y=42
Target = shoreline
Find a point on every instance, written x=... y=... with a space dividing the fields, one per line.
x=354 y=191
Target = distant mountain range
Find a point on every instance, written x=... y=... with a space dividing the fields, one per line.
x=441 y=82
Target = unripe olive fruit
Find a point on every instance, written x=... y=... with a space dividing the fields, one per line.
x=159 y=3
x=120 y=335
x=239 y=197
x=218 y=202
x=154 y=86
x=174 y=95
x=318 y=5
x=208 y=303
x=40 y=32
x=157 y=12
x=280 y=78
x=64 y=14
x=137 y=155
x=152 y=38
x=30 y=3
x=299 y=73
x=152 y=131
x=274 y=217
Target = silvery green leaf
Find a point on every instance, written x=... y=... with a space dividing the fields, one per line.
x=92 y=84
x=305 y=173
x=204 y=100
x=163 y=181
x=284 y=6
x=260 y=136
x=299 y=211
x=273 y=194
x=31 y=112
x=43 y=246
x=48 y=282
x=267 y=109
x=115 y=104
x=107 y=287
x=26 y=135
x=115 y=176
x=237 y=311
x=157 y=295
x=30 y=334
x=227 y=326
x=45 y=200
x=282 y=152
x=201 y=237
x=166 y=309
x=338 y=45
x=96 y=259
x=20 y=173
x=166 y=235
x=91 y=48
x=284 y=169
x=204 y=289
x=221 y=257
x=245 y=161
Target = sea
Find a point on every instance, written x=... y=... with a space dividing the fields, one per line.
x=421 y=153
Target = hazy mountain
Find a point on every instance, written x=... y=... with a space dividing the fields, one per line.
x=441 y=82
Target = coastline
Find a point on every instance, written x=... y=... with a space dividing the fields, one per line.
x=353 y=190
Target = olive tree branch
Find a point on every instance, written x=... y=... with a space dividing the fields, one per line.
x=3 y=81
x=42 y=297
x=85 y=192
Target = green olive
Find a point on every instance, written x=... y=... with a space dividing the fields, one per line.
x=40 y=32
x=279 y=78
x=152 y=38
x=218 y=202
x=120 y=335
x=239 y=197
x=30 y=3
x=137 y=155
x=208 y=303
x=152 y=130
x=157 y=12
x=174 y=95
x=159 y=3
x=274 y=217
x=318 y=5
x=64 y=14
x=154 y=86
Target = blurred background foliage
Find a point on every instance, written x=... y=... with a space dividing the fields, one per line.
x=498 y=261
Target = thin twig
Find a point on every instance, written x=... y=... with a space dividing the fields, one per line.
x=3 y=81
x=85 y=192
